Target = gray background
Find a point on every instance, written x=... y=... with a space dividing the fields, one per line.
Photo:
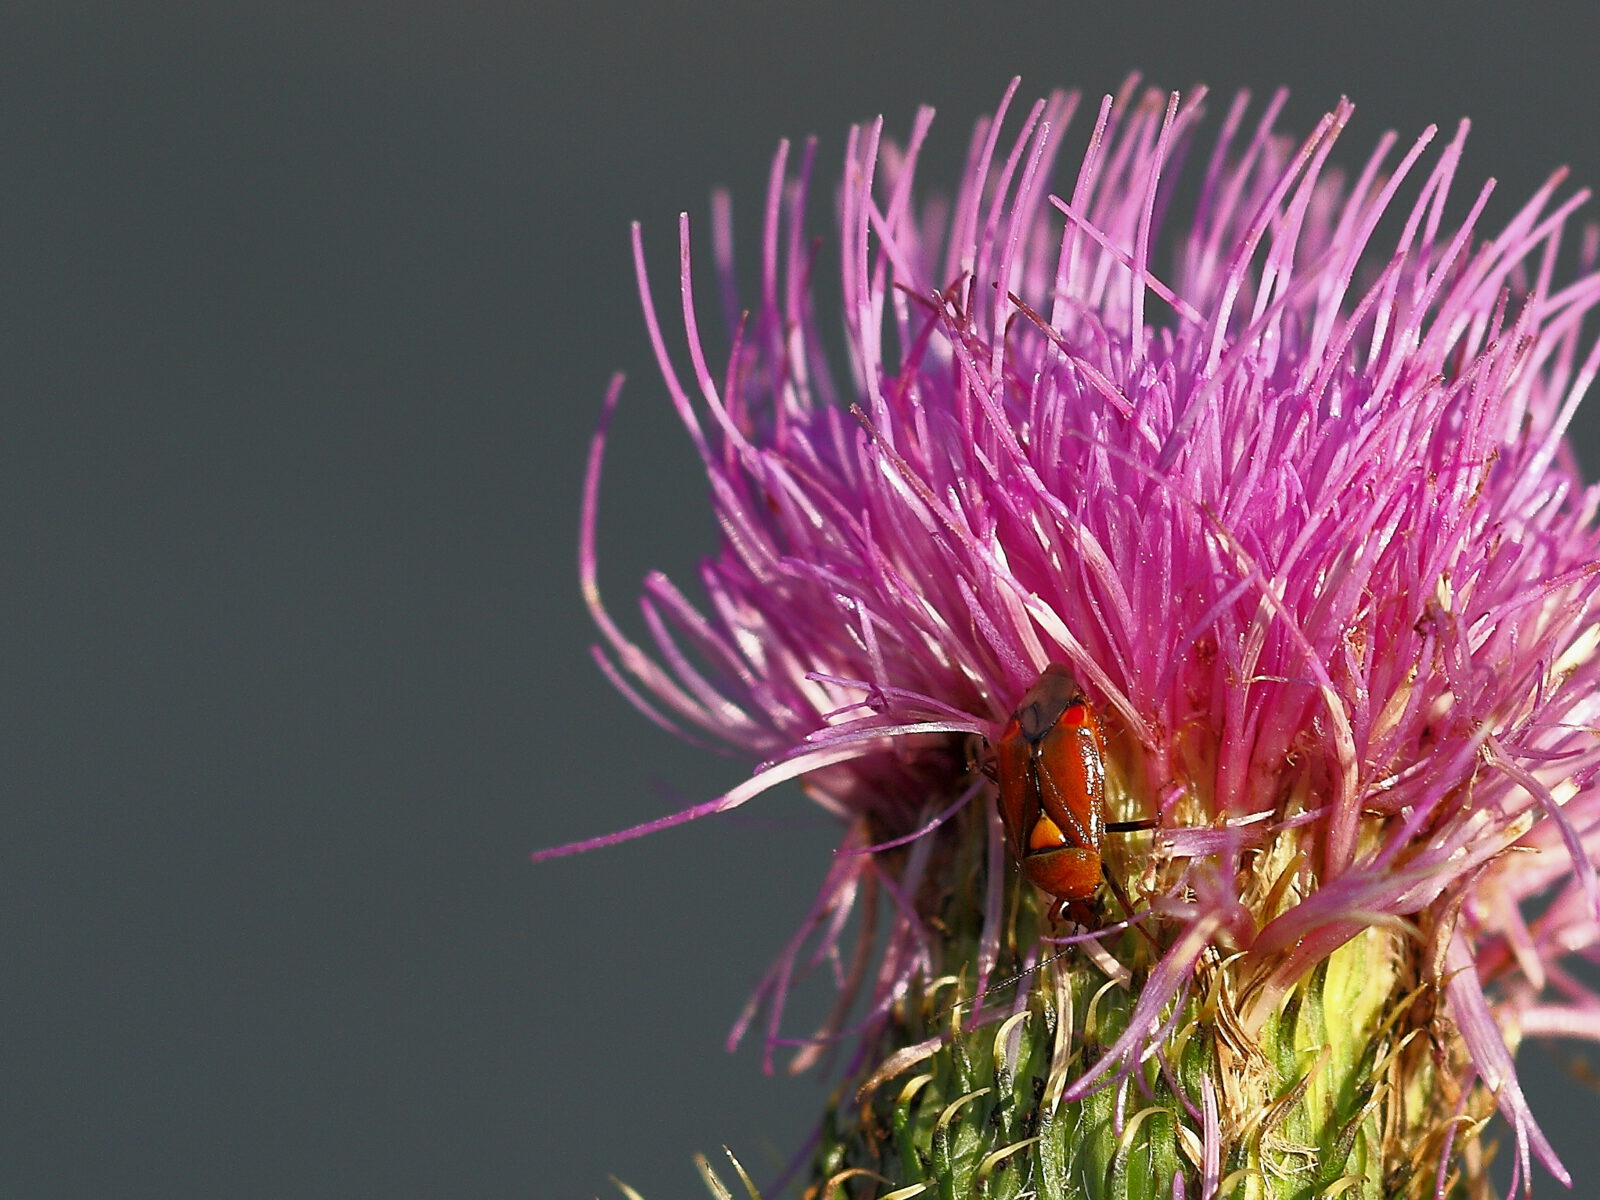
x=307 y=312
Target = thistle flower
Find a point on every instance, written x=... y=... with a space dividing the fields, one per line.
x=1282 y=481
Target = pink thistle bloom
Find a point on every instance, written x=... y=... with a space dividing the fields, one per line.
x=1282 y=480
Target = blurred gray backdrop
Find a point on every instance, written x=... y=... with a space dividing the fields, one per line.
x=307 y=313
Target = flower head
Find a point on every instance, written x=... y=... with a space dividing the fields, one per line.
x=1273 y=461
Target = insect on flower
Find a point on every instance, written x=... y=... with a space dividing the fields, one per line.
x=1274 y=453
x=1050 y=766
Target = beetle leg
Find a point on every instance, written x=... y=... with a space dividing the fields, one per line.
x=981 y=758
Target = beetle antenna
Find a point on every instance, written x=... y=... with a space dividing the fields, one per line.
x=1021 y=975
x=998 y=985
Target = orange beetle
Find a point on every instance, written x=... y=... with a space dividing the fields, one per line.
x=1050 y=764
